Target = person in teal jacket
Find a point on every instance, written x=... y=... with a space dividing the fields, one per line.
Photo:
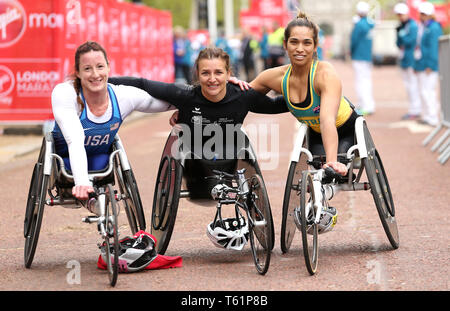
x=319 y=48
x=264 y=46
x=427 y=64
x=406 y=42
x=361 y=54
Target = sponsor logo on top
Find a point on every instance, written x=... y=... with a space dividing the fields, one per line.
x=13 y=22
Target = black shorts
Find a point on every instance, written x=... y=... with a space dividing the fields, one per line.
x=346 y=134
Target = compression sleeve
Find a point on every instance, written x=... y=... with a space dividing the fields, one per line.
x=260 y=103
x=169 y=92
x=66 y=113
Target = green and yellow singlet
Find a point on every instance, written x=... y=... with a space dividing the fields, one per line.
x=309 y=113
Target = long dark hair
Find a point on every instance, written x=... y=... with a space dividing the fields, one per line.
x=82 y=49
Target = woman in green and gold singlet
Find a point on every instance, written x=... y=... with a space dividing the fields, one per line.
x=313 y=92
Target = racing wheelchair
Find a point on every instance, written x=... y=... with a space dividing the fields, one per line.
x=51 y=185
x=309 y=188
x=180 y=175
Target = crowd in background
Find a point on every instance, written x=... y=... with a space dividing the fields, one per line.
x=418 y=57
x=248 y=53
x=418 y=44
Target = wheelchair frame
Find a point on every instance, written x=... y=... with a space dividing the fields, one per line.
x=51 y=185
x=170 y=181
x=250 y=196
x=304 y=180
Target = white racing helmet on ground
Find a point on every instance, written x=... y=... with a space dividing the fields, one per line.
x=135 y=253
x=231 y=233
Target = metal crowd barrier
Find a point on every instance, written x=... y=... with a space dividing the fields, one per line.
x=443 y=143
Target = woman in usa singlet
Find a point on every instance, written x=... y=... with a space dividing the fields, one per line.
x=88 y=113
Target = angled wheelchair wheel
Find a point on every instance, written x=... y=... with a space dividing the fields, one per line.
x=112 y=237
x=290 y=202
x=35 y=208
x=165 y=201
x=131 y=198
x=308 y=227
x=260 y=226
x=252 y=168
x=381 y=192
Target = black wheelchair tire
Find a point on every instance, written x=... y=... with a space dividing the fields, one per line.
x=160 y=199
x=35 y=214
x=112 y=234
x=380 y=189
x=31 y=199
x=164 y=212
x=261 y=241
x=310 y=248
x=288 y=226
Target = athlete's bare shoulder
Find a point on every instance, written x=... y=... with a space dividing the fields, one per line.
x=269 y=79
x=326 y=74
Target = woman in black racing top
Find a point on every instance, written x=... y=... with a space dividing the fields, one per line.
x=211 y=112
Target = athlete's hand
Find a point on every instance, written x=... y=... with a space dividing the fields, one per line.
x=339 y=167
x=245 y=86
x=174 y=119
x=81 y=192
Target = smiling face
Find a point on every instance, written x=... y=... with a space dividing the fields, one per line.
x=213 y=76
x=93 y=71
x=300 y=45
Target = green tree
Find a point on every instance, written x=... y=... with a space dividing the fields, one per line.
x=181 y=10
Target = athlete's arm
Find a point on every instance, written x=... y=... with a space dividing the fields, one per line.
x=169 y=92
x=260 y=103
x=66 y=114
x=269 y=79
x=134 y=99
x=329 y=87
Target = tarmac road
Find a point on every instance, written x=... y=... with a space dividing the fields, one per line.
x=355 y=256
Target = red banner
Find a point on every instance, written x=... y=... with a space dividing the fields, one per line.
x=263 y=13
x=38 y=41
